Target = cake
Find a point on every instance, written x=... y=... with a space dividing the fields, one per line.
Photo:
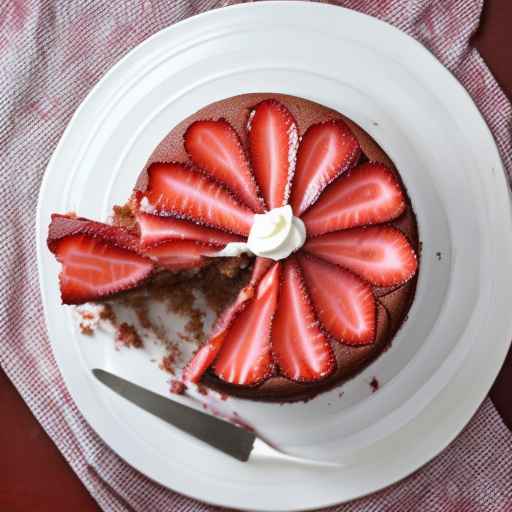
x=301 y=198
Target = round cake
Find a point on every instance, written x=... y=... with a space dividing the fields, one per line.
x=302 y=197
x=393 y=302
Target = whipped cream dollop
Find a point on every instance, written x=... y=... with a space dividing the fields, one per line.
x=274 y=234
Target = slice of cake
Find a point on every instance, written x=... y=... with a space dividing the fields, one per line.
x=298 y=197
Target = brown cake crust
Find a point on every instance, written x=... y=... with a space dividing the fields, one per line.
x=393 y=304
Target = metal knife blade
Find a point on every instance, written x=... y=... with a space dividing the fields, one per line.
x=230 y=439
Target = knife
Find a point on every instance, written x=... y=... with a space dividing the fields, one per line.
x=230 y=439
x=226 y=437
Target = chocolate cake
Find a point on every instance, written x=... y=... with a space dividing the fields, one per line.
x=309 y=315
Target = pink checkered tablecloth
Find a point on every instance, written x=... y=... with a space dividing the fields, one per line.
x=51 y=54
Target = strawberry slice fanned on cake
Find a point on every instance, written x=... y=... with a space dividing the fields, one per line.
x=343 y=301
x=326 y=151
x=97 y=260
x=273 y=139
x=327 y=229
x=300 y=348
x=184 y=192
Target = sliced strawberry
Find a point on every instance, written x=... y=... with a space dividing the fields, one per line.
x=273 y=140
x=202 y=360
x=215 y=147
x=344 y=303
x=62 y=226
x=182 y=191
x=368 y=194
x=245 y=357
x=180 y=254
x=205 y=356
x=300 y=348
x=261 y=266
x=97 y=260
x=326 y=151
x=380 y=254
x=155 y=229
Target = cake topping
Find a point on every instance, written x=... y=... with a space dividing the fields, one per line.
x=180 y=254
x=97 y=260
x=275 y=234
x=181 y=191
x=155 y=229
x=300 y=348
x=245 y=357
x=215 y=147
x=343 y=302
x=273 y=140
x=326 y=151
x=368 y=194
x=380 y=254
x=206 y=355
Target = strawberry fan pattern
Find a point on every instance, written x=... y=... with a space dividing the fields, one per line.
x=285 y=320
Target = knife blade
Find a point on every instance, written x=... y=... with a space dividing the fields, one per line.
x=226 y=437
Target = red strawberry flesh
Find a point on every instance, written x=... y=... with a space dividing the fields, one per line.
x=97 y=260
x=180 y=254
x=273 y=139
x=184 y=192
x=155 y=229
x=325 y=151
x=215 y=147
x=369 y=194
x=245 y=357
x=300 y=348
x=206 y=355
x=62 y=226
x=344 y=303
x=380 y=254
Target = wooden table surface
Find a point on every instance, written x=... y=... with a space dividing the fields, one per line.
x=33 y=474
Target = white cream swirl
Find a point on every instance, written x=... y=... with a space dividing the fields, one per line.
x=275 y=234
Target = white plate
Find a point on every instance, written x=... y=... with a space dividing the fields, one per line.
x=459 y=326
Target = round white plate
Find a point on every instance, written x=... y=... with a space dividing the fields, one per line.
x=459 y=325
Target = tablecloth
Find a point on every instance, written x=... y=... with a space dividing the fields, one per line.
x=51 y=54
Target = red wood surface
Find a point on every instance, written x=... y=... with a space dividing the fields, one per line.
x=33 y=474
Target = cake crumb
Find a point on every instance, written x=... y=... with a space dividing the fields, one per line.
x=87 y=315
x=224 y=396
x=128 y=336
x=203 y=390
x=195 y=326
x=167 y=363
x=123 y=216
x=86 y=329
x=180 y=300
x=230 y=267
x=340 y=394
x=177 y=387
x=142 y=312
x=107 y=313
x=374 y=384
